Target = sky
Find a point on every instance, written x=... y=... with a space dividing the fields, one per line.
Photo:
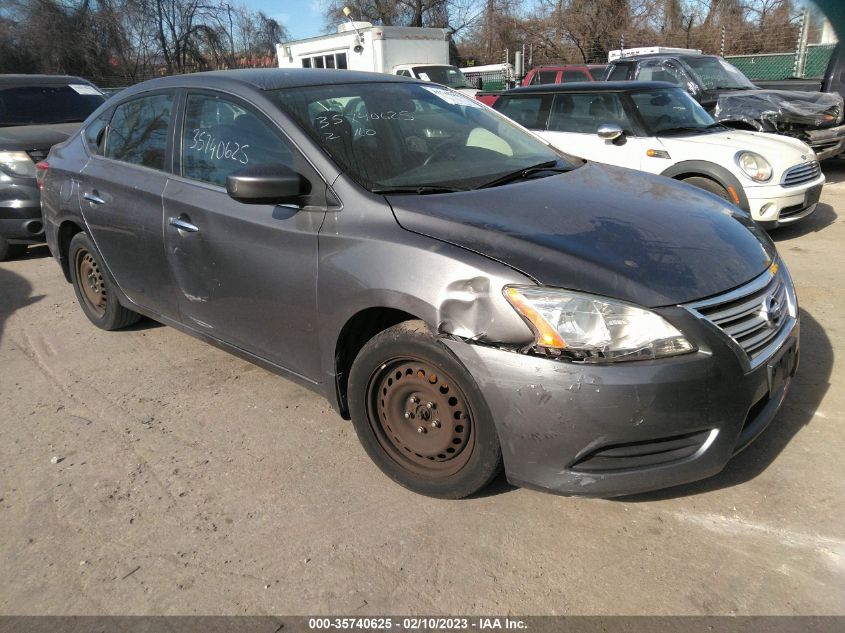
x=302 y=18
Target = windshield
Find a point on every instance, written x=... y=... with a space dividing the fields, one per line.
x=39 y=105
x=713 y=73
x=393 y=135
x=445 y=75
x=667 y=110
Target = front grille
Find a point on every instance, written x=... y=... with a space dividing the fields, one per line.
x=802 y=173
x=38 y=154
x=757 y=316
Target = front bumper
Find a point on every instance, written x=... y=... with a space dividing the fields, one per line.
x=20 y=210
x=776 y=205
x=615 y=429
x=826 y=142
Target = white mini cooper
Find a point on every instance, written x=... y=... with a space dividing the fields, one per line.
x=658 y=128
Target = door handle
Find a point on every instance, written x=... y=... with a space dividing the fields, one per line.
x=93 y=198
x=184 y=225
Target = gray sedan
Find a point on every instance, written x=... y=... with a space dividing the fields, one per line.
x=469 y=296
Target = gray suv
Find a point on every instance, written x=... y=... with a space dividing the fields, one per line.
x=470 y=297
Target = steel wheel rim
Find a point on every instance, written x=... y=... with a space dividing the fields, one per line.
x=91 y=282
x=420 y=417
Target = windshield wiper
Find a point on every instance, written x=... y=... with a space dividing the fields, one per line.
x=689 y=128
x=523 y=173
x=420 y=190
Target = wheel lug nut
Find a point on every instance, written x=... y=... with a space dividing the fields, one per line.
x=420 y=429
x=435 y=424
x=429 y=405
x=407 y=415
x=414 y=400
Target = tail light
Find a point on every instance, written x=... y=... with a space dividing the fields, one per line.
x=41 y=168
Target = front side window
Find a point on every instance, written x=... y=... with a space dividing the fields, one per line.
x=396 y=134
x=659 y=70
x=584 y=113
x=138 y=131
x=220 y=137
x=547 y=77
x=574 y=75
x=444 y=75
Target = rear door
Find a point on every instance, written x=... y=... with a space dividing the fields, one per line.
x=120 y=196
x=573 y=124
x=246 y=273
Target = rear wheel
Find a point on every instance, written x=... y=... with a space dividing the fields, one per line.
x=709 y=185
x=420 y=416
x=94 y=287
x=10 y=251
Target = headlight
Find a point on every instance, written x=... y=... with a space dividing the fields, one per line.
x=593 y=328
x=755 y=166
x=17 y=164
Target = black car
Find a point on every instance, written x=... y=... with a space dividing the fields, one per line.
x=469 y=296
x=36 y=112
x=813 y=117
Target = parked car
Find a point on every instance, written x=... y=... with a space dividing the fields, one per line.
x=567 y=73
x=813 y=117
x=468 y=295
x=36 y=111
x=659 y=128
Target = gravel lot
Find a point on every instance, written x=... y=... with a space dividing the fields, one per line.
x=145 y=472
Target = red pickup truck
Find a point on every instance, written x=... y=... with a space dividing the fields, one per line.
x=550 y=75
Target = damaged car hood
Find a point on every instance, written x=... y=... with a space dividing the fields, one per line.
x=603 y=230
x=815 y=109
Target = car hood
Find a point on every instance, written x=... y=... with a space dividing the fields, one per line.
x=812 y=109
x=771 y=146
x=603 y=230
x=35 y=137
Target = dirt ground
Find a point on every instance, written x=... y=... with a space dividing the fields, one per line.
x=145 y=472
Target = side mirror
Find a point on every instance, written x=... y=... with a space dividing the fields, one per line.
x=609 y=131
x=267 y=184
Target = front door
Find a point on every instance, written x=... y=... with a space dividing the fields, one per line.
x=246 y=273
x=573 y=124
x=120 y=196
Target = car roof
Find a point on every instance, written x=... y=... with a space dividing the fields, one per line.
x=592 y=86
x=661 y=56
x=267 y=79
x=40 y=80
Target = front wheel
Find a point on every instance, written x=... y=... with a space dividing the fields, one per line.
x=420 y=416
x=709 y=185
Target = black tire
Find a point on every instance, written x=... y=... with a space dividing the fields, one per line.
x=709 y=185
x=450 y=458
x=10 y=251
x=94 y=287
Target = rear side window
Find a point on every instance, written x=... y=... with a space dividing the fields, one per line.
x=221 y=137
x=138 y=131
x=619 y=73
x=527 y=111
x=584 y=113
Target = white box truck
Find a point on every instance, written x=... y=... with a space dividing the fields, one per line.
x=422 y=53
